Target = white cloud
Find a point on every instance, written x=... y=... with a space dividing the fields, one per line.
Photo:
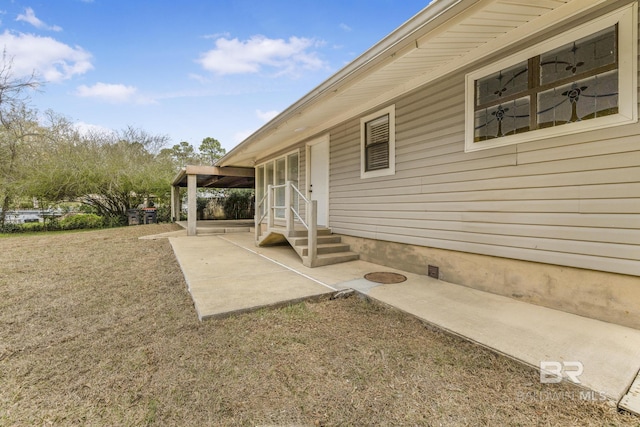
x=346 y=28
x=233 y=56
x=216 y=35
x=116 y=93
x=265 y=116
x=31 y=18
x=50 y=59
x=91 y=129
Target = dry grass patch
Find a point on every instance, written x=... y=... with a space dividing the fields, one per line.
x=97 y=328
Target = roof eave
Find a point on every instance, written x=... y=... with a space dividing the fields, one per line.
x=179 y=177
x=429 y=16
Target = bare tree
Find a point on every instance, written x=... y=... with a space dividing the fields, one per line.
x=15 y=128
x=13 y=90
x=109 y=171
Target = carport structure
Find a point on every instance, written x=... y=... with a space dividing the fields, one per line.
x=193 y=177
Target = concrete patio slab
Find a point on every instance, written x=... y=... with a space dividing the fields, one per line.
x=228 y=273
x=224 y=279
x=335 y=275
x=220 y=226
x=609 y=354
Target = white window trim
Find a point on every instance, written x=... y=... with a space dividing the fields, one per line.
x=627 y=18
x=391 y=170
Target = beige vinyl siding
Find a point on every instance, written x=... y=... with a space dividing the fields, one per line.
x=571 y=201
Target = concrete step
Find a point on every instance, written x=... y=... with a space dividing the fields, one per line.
x=324 y=248
x=631 y=401
x=335 y=258
x=321 y=240
x=322 y=231
x=270 y=238
x=203 y=231
x=331 y=250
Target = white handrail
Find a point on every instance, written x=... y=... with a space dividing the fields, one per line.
x=259 y=217
x=297 y=215
x=292 y=214
x=300 y=194
x=293 y=208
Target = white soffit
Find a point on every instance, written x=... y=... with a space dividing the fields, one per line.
x=479 y=30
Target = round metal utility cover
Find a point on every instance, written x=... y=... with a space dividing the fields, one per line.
x=385 y=277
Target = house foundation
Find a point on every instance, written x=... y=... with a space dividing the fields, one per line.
x=599 y=295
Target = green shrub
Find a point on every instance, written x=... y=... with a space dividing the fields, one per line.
x=51 y=224
x=29 y=227
x=81 y=221
x=84 y=208
x=239 y=204
x=163 y=213
x=72 y=222
x=10 y=228
x=32 y=227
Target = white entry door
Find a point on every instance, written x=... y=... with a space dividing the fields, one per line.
x=318 y=177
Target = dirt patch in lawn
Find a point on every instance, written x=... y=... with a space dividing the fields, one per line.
x=97 y=328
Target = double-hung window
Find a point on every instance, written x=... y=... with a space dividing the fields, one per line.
x=377 y=139
x=584 y=79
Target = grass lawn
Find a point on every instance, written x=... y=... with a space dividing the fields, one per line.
x=97 y=328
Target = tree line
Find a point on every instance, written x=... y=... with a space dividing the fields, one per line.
x=45 y=157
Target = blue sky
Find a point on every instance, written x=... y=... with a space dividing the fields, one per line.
x=187 y=69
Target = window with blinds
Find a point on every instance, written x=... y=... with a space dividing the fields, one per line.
x=378 y=143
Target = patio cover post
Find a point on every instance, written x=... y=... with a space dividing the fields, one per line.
x=175 y=203
x=192 y=214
